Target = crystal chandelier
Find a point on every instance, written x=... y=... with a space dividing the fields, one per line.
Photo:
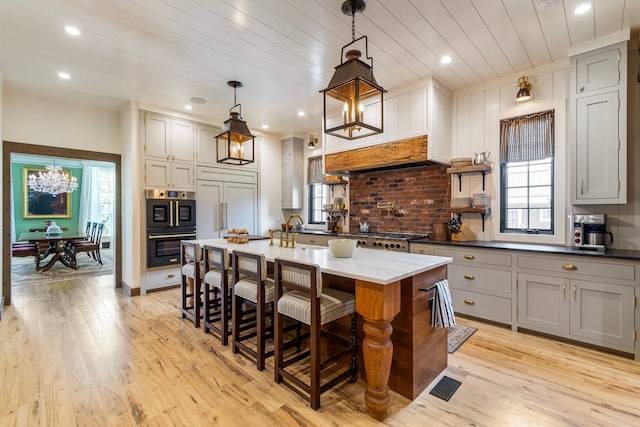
x=53 y=181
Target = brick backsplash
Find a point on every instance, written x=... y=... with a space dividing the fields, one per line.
x=420 y=194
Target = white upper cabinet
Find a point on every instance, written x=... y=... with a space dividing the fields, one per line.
x=169 y=138
x=206 y=144
x=417 y=110
x=169 y=149
x=599 y=70
x=598 y=126
x=292 y=171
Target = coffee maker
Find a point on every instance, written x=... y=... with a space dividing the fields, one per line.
x=590 y=232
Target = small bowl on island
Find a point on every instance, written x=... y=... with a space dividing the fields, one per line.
x=342 y=248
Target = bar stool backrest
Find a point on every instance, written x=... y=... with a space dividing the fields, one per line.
x=299 y=278
x=249 y=264
x=217 y=258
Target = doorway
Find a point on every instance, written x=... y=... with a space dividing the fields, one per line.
x=10 y=148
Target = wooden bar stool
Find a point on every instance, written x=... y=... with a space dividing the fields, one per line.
x=252 y=287
x=217 y=296
x=191 y=285
x=300 y=296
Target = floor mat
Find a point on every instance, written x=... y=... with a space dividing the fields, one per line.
x=445 y=388
x=457 y=335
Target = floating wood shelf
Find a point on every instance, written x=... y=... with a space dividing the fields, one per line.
x=482 y=169
x=332 y=184
x=459 y=211
x=336 y=211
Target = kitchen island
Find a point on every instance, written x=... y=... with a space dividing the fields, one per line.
x=404 y=354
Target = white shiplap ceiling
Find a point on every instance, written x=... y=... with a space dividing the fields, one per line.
x=161 y=53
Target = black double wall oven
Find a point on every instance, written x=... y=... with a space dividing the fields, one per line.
x=171 y=217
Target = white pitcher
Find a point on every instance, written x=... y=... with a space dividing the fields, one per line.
x=481 y=158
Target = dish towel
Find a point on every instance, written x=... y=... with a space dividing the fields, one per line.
x=442 y=315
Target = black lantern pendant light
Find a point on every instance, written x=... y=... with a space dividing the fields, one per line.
x=353 y=99
x=235 y=144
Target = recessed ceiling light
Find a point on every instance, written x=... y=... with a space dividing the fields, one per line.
x=445 y=59
x=543 y=4
x=188 y=107
x=197 y=100
x=265 y=126
x=583 y=8
x=300 y=113
x=72 y=30
x=64 y=76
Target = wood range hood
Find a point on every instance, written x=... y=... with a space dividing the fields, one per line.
x=393 y=155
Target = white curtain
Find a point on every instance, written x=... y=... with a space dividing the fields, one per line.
x=89 y=197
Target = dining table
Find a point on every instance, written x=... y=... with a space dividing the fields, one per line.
x=392 y=293
x=58 y=248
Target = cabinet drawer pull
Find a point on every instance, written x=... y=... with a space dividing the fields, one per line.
x=170 y=276
x=469 y=257
x=569 y=267
x=469 y=276
x=469 y=301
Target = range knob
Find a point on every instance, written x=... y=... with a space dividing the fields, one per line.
x=577 y=241
x=362 y=242
x=386 y=245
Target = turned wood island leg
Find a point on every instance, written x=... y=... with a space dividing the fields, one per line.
x=378 y=305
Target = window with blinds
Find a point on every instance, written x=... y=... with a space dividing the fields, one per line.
x=526 y=173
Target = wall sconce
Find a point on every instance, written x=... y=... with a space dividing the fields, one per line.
x=235 y=145
x=312 y=142
x=353 y=96
x=524 y=92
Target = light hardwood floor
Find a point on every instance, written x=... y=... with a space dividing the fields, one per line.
x=81 y=353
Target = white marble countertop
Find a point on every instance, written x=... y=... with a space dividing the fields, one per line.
x=371 y=265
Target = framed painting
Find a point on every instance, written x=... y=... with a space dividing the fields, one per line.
x=43 y=205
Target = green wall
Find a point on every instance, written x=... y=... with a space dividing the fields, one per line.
x=24 y=224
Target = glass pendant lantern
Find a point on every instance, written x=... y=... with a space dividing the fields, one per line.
x=235 y=145
x=353 y=100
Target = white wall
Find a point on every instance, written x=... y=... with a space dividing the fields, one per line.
x=476 y=114
x=33 y=118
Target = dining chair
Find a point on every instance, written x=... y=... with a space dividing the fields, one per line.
x=92 y=248
x=251 y=287
x=192 y=270
x=26 y=249
x=216 y=291
x=299 y=295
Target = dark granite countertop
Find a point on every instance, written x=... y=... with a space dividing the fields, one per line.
x=531 y=247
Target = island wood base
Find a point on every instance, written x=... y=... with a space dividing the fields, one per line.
x=419 y=351
x=401 y=350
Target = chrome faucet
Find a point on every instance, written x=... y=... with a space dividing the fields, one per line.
x=286 y=238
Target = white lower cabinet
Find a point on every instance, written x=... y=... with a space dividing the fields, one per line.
x=313 y=239
x=480 y=283
x=581 y=298
x=596 y=312
x=159 y=278
x=543 y=303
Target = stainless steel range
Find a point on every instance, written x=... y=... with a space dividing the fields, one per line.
x=398 y=242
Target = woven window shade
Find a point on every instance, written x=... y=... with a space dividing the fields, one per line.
x=314 y=171
x=527 y=138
